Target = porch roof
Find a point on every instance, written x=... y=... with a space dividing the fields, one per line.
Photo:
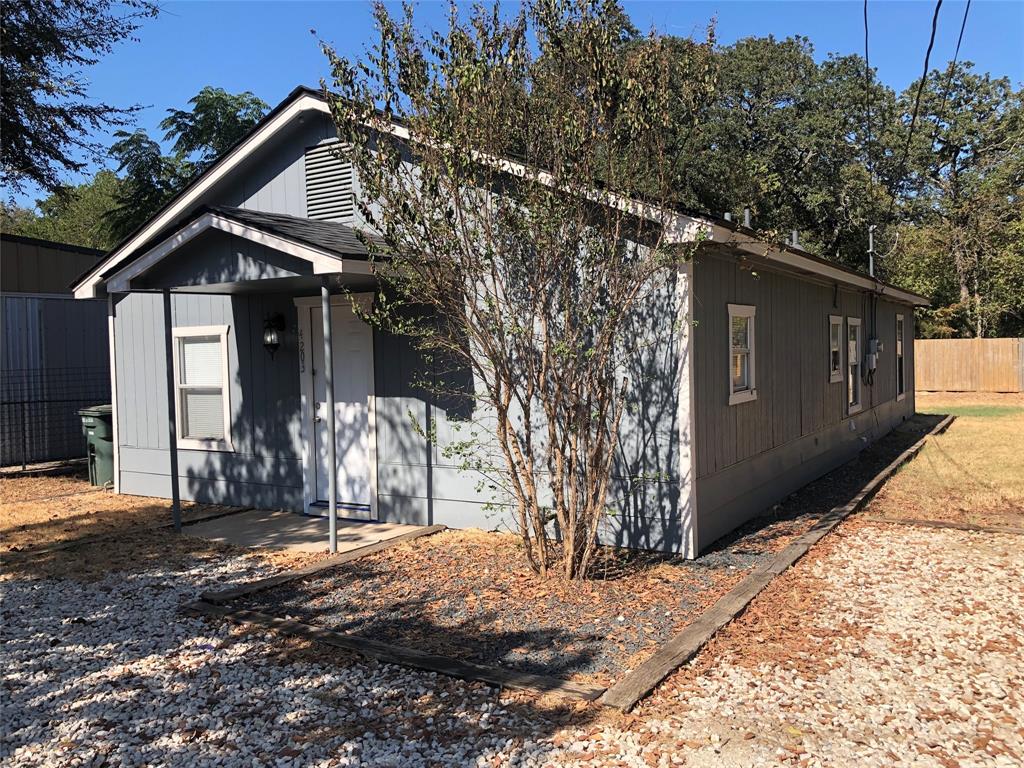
x=325 y=247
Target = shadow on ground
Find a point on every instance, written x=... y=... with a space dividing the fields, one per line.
x=476 y=601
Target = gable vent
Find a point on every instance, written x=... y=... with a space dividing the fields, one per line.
x=329 y=193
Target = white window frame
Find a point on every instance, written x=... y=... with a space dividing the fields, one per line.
x=900 y=356
x=852 y=408
x=212 y=444
x=750 y=393
x=836 y=376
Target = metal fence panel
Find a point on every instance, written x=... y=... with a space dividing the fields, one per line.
x=53 y=361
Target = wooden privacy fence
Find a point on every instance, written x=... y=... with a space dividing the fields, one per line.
x=969 y=365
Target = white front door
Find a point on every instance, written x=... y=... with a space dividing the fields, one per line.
x=353 y=390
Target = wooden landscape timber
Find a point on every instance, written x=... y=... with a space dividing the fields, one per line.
x=395 y=654
x=219 y=597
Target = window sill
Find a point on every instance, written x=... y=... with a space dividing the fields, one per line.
x=901 y=397
x=742 y=397
x=852 y=409
x=192 y=444
x=836 y=378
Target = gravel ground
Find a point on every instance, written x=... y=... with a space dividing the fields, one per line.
x=885 y=647
x=108 y=672
x=917 y=663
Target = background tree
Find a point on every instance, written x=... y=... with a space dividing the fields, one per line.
x=73 y=214
x=216 y=121
x=198 y=136
x=47 y=119
x=962 y=205
x=522 y=277
x=787 y=137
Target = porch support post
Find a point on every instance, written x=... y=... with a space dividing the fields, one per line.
x=332 y=420
x=172 y=408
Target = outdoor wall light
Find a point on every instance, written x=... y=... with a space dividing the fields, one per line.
x=272 y=328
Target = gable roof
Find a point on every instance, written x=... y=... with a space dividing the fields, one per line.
x=686 y=227
x=301 y=99
x=331 y=247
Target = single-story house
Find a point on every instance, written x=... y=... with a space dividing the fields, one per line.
x=786 y=365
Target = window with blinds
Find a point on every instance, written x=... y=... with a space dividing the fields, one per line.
x=329 y=189
x=201 y=362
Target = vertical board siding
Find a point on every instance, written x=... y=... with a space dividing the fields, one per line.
x=274 y=180
x=752 y=454
x=794 y=396
x=265 y=466
x=39 y=267
x=970 y=365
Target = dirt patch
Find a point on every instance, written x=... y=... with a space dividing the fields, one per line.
x=34 y=487
x=137 y=550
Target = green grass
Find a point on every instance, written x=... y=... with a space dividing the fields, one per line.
x=974 y=411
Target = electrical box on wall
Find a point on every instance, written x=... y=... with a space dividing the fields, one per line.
x=871 y=358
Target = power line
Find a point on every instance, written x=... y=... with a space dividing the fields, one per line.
x=917 y=105
x=949 y=76
x=867 y=107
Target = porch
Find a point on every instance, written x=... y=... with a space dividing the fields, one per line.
x=257 y=337
x=293 y=532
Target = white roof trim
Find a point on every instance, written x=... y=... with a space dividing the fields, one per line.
x=681 y=228
x=324 y=262
x=788 y=258
x=87 y=288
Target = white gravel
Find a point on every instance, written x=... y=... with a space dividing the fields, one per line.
x=110 y=673
x=936 y=678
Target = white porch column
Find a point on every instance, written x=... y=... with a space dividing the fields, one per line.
x=332 y=419
x=172 y=408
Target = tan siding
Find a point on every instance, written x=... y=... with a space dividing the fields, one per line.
x=971 y=365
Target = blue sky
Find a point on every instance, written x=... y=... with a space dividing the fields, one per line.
x=267 y=47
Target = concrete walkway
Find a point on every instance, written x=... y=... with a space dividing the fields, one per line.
x=292 y=531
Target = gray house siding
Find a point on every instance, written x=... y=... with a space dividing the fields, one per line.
x=265 y=468
x=418 y=484
x=752 y=454
x=274 y=180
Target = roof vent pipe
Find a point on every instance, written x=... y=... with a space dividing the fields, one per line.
x=746 y=217
x=795 y=239
x=728 y=216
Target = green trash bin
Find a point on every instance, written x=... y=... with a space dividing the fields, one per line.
x=98 y=428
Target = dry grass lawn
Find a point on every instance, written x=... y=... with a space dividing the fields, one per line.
x=40 y=510
x=973 y=473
